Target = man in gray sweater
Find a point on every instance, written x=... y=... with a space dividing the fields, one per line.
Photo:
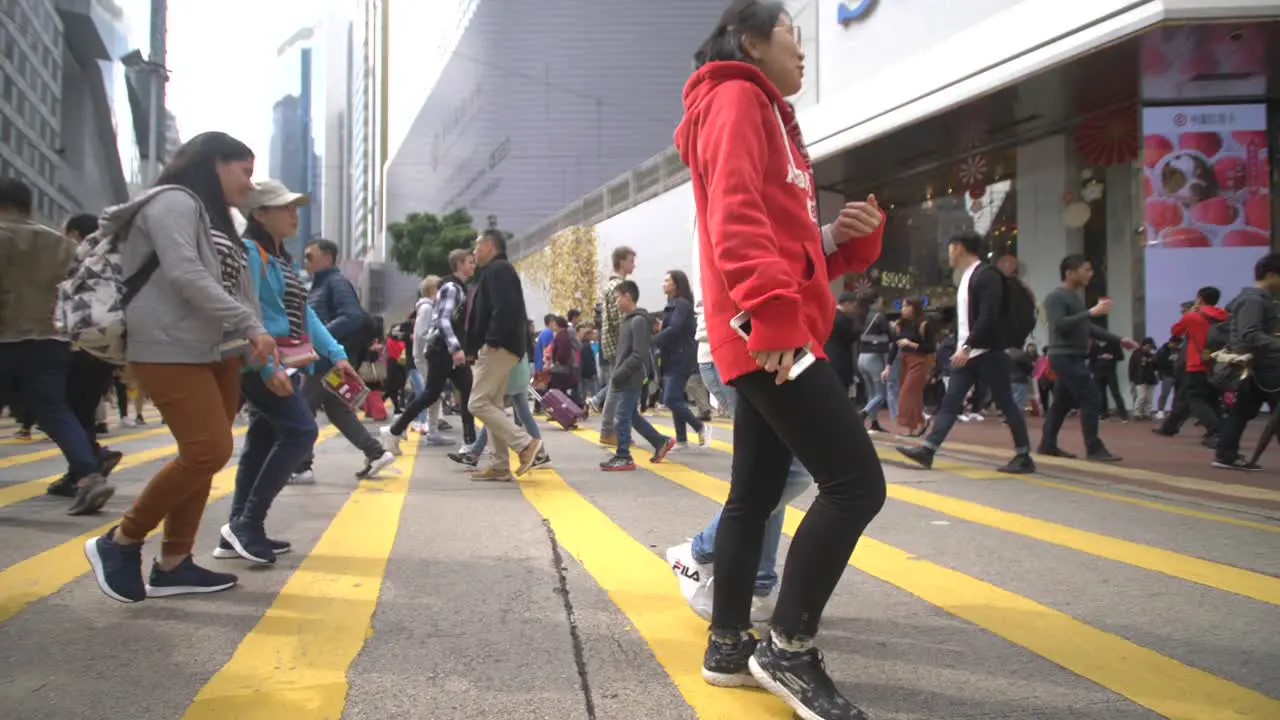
x=1070 y=330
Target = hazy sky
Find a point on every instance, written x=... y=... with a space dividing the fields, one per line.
x=225 y=74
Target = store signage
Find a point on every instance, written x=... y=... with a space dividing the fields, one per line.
x=853 y=10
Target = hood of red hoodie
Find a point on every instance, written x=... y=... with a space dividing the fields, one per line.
x=1214 y=312
x=700 y=87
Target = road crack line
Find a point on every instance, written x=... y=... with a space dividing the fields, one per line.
x=579 y=654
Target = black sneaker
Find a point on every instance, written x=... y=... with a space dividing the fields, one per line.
x=62 y=487
x=725 y=663
x=224 y=551
x=1021 y=464
x=1240 y=463
x=92 y=493
x=918 y=454
x=117 y=568
x=1102 y=456
x=800 y=679
x=108 y=460
x=464 y=458
x=618 y=464
x=249 y=541
x=187 y=578
x=542 y=460
x=661 y=453
x=1055 y=452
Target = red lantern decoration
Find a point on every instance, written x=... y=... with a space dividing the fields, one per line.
x=1110 y=138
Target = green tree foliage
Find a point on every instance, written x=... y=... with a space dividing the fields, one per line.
x=421 y=243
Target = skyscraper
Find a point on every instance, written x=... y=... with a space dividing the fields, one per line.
x=294 y=160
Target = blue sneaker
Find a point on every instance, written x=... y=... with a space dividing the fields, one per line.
x=187 y=579
x=117 y=568
x=249 y=541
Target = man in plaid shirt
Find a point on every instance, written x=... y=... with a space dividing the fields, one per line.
x=605 y=403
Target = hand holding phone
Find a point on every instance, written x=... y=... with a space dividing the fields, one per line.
x=786 y=364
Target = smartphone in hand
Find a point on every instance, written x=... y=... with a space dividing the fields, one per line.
x=803 y=359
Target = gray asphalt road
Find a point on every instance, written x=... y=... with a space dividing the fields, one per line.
x=426 y=595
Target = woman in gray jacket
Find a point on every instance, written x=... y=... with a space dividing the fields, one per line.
x=194 y=320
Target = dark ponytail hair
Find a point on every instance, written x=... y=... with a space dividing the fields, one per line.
x=195 y=167
x=744 y=18
x=681 y=281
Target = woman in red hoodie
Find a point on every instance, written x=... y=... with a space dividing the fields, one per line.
x=762 y=252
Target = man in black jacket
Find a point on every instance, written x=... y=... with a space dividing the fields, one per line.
x=981 y=320
x=1255 y=330
x=497 y=336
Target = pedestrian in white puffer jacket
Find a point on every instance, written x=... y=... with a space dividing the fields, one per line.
x=429 y=422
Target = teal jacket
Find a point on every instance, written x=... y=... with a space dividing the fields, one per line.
x=268 y=282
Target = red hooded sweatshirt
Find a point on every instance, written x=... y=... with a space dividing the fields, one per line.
x=1194 y=326
x=760 y=249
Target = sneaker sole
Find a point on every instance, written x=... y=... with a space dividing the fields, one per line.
x=99 y=574
x=159 y=592
x=234 y=542
x=221 y=553
x=378 y=466
x=728 y=680
x=93 y=501
x=768 y=683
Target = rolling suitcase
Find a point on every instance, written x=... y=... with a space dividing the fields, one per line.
x=561 y=409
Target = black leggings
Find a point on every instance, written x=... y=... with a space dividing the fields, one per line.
x=812 y=419
x=440 y=368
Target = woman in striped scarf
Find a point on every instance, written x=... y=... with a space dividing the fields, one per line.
x=282 y=428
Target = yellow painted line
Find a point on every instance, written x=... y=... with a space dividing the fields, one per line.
x=1120 y=471
x=640 y=584
x=953 y=467
x=40 y=576
x=1144 y=676
x=1246 y=583
x=10 y=494
x=294 y=662
x=53 y=452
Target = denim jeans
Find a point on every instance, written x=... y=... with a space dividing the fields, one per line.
x=281 y=433
x=891 y=387
x=993 y=368
x=725 y=396
x=419 y=386
x=1020 y=391
x=871 y=366
x=523 y=418
x=40 y=369
x=628 y=417
x=704 y=543
x=673 y=385
x=605 y=374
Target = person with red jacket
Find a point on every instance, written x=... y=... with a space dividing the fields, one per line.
x=762 y=252
x=1196 y=395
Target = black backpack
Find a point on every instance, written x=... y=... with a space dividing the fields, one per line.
x=1019 y=316
x=1218 y=337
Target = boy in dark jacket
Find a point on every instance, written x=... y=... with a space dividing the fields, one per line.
x=632 y=364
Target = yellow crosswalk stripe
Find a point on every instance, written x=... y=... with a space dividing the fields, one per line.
x=18 y=492
x=53 y=452
x=43 y=574
x=640 y=584
x=1144 y=676
x=1246 y=583
x=294 y=662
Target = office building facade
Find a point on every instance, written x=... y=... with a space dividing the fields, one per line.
x=536 y=104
